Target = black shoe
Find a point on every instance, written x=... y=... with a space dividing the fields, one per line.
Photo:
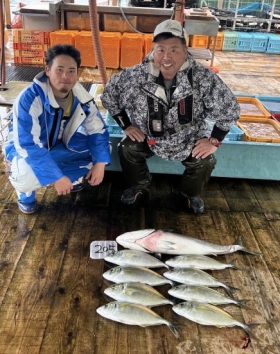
x=133 y=195
x=196 y=204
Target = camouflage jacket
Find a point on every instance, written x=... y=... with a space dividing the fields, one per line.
x=201 y=105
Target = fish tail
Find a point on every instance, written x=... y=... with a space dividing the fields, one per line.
x=230 y=290
x=246 y=250
x=174 y=330
x=250 y=335
x=233 y=266
x=242 y=303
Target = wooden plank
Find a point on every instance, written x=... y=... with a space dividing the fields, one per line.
x=240 y=196
x=34 y=280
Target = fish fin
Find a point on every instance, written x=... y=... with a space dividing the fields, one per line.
x=246 y=250
x=174 y=330
x=167 y=245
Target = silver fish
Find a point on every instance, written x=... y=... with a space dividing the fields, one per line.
x=209 y=315
x=124 y=274
x=158 y=241
x=137 y=293
x=135 y=258
x=197 y=262
x=202 y=294
x=190 y=276
x=134 y=314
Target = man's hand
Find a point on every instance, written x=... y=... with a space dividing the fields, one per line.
x=135 y=134
x=96 y=174
x=63 y=186
x=203 y=148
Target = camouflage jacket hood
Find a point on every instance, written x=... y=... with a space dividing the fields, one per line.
x=213 y=106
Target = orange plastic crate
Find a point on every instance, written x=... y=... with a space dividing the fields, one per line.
x=29 y=53
x=63 y=37
x=32 y=61
x=83 y=42
x=30 y=46
x=260 y=129
x=111 y=43
x=132 y=46
x=219 y=41
x=148 y=43
x=31 y=37
x=199 y=41
x=252 y=107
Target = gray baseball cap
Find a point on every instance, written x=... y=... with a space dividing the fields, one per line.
x=170 y=26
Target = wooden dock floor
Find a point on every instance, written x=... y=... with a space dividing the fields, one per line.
x=50 y=288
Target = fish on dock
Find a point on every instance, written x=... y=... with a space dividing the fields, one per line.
x=135 y=258
x=159 y=241
x=202 y=294
x=137 y=293
x=197 y=277
x=124 y=274
x=210 y=315
x=134 y=314
x=197 y=262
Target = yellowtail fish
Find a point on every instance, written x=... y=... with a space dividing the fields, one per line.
x=202 y=294
x=197 y=262
x=124 y=274
x=209 y=315
x=135 y=258
x=134 y=314
x=137 y=293
x=198 y=277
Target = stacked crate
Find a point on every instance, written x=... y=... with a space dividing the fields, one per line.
x=198 y=41
x=273 y=45
x=110 y=44
x=132 y=47
x=63 y=37
x=219 y=41
x=230 y=41
x=83 y=42
x=30 y=46
x=244 y=42
x=148 y=43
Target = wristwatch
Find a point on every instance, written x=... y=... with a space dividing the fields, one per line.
x=214 y=142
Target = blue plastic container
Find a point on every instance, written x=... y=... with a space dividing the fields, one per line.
x=272 y=104
x=244 y=42
x=273 y=46
x=235 y=134
x=230 y=41
x=259 y=42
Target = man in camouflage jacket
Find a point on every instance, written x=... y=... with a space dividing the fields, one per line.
x=164 y=106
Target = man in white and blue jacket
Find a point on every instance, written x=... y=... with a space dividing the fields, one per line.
x=58 y=136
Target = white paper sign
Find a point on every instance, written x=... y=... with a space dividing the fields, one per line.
x=101 y=249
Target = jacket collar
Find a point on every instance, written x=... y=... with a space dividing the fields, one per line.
x=183 y=86
x=78 y=90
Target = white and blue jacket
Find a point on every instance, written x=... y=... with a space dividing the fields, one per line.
x=36 y=112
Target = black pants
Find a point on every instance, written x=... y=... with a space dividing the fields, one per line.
x=133 y=156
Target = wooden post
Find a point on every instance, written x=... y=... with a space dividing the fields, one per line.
x=7 y=8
